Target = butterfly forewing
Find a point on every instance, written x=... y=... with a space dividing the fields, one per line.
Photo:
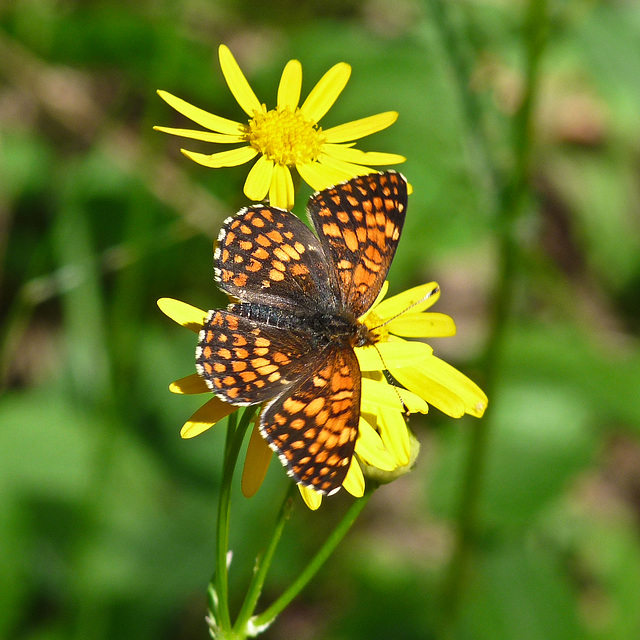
x=313 y=426
x=359 y=223
x=266 y=255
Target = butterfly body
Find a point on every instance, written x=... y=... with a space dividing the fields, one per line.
x=323 y=327
x=289 y=339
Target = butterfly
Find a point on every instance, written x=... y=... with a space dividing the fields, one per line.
x=287 y=339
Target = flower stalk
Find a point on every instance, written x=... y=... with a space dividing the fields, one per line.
x=247 y=624
x=264 y=619
x=220 y=584
x=511 y=200
x=263 y=563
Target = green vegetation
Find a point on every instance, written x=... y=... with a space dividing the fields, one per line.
x=519 y=121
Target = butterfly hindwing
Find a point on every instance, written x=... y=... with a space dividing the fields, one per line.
x=247 y=362
x=313 y=426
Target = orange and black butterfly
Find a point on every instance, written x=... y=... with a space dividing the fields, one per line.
x=289 y=339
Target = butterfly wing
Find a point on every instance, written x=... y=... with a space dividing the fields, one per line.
x=359 y=223
x=247 y=362
x=272 y=263
x=313 y=426
x=266 y=255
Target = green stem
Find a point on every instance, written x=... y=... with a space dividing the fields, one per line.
x=457 y=39
x=264 y=619
x=220 y=605
x=511 y=201
x=263 y=563
x=220 y=598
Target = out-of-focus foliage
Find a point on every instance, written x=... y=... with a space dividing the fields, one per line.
x=107 y=517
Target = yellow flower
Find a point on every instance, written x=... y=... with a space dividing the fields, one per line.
x=385 y=448
x=287 y=137
x=419 y=379
x=429 y=377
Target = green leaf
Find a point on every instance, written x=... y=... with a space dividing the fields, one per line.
x=13 y=550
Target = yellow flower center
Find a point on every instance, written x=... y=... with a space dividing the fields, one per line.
x=285 y=136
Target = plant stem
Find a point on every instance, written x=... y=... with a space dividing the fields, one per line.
x=264 y=619
x=263 y=562
x=512 y=198
x=220 y=580
x=457 y=39
x=220 y=577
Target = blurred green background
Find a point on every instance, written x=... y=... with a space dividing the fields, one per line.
x=520 y=121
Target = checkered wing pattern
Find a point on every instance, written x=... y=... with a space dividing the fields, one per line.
x=247 y=362
x=288 y=340
x=359 y=224
x=266 y=255
x=313 y=427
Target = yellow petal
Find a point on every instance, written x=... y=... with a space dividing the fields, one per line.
x=231 y=158
x=374 y=375
x=281 y=189
x=346 y=153
x=360 y=128
x=369 y=358
x=415 y=300
x=474 y=398
x=442 y=386
x=290 y=85
x=202 y=117
x=205 y=136
x=422 y=325
x=320 y=176
x=238 y=84
x=395 y=352
x=311 y=498
x=395 y=436
x=326 y=92
x=257 y=183
x=184 y=314
x=188 y=385
x=370 y=448
x=428 y=389
x=412 y=402
x=205 y=417
x=350 y=169
x=256 y=463
x=380 y=298
x=383 y=477
x=377 y=395
x=354 y=481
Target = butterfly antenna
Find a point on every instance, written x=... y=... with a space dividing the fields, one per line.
x=433 y=292
x=392 y=381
